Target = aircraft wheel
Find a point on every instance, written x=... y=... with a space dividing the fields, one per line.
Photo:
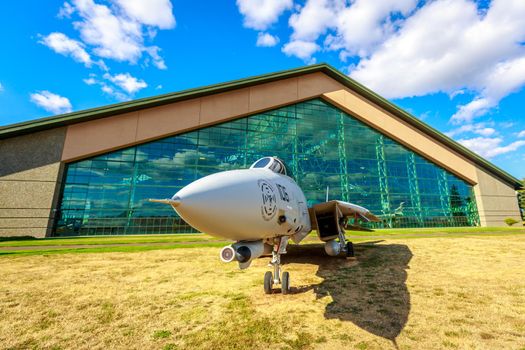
x=285 y=284
x=268 y=281
x=349 y=250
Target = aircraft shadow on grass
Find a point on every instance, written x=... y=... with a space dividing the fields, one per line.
x=369 y=290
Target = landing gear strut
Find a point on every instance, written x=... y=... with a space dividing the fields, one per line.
x=347 y=247
x=278 y=276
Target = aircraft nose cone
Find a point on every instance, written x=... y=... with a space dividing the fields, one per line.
x=226 y=204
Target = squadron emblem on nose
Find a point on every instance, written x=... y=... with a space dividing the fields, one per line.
x=269 y=202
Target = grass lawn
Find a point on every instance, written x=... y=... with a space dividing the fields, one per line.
x=169 y=241
x=460 y=291
x=96 y=240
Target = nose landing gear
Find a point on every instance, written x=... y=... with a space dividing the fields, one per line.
x=278 y=276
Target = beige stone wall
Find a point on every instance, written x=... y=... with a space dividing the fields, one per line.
x=496 y=200
x=30 y=170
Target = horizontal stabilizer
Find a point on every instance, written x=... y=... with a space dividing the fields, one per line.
x=369 y=217
x=372 y=217
x=170 y=201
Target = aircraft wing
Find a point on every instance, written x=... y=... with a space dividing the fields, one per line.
x=328 y=217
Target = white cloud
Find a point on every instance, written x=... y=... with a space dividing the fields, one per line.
x=490 y=147
x=260 y=14
x=116 y=31
x=157 y=13
x=90 y=81
x=1 y=87
x=356 y=28
x=112 y=36
x=267 y=40
x=158 y=61
x=521 y=134
x=120 y=86
x=114 y=93
x=447 y=46
x=366 y=24
x=66 y=10
x=63 y=45
x=302 y=49
x=483 y=129
x=51 y=102
x=126 y=82
x=505 y=78
x=314 y=18
x=486 y=131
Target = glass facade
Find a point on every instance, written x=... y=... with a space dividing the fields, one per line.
x=323 y=147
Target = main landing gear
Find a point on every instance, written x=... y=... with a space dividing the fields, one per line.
x=347 y=247
x=278 y=276
x=349 y=250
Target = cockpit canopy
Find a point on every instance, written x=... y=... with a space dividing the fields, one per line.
x=273 y=163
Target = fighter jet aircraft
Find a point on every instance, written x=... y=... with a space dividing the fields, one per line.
x=261 y=208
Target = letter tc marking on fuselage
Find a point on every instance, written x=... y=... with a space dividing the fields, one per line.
x=283 y=193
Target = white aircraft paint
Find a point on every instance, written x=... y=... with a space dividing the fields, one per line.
x=260 y=208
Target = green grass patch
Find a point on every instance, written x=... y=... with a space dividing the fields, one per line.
x=107 y=313
x=437 y=230
x=161 y=334
x=199 y=237
x=140 y=243
x=126 y=249
x=302 y=340
x=96 y=240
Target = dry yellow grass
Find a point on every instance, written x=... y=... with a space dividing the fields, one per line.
x=429 y=293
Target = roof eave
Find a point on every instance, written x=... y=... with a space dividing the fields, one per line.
x=149 y=102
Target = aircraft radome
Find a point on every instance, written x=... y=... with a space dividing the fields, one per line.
x=261 y=208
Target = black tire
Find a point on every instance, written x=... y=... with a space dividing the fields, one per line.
x=268 y=281
x=349 y=250
x=285 y=283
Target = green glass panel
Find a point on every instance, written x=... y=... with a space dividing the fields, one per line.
x=323 y=147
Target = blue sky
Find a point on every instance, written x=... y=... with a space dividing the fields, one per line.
x=459 y=65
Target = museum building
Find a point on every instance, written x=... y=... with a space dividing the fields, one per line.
x=91 y=172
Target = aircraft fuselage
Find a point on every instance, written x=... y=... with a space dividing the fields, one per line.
x=245 y=205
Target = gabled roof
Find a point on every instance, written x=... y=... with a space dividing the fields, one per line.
x=130 y=106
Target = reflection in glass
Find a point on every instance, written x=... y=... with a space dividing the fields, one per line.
x=321 y=146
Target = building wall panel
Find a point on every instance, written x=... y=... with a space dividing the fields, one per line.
x=167 y=120
x=496 y=200
x=85 y=139
x=225 y=106
x=30 y=171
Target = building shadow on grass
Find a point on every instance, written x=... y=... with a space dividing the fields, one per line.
x=369 y=290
